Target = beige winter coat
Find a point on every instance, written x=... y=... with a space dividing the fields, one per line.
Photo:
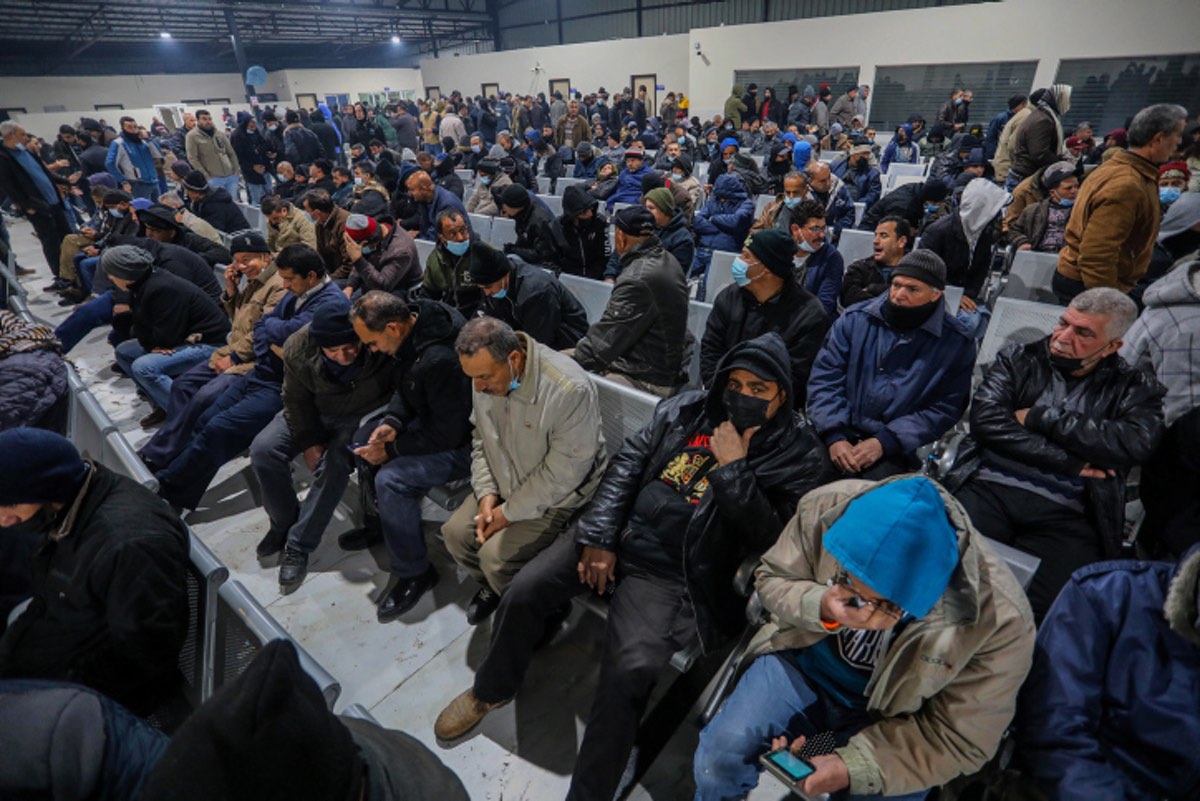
x=539 y=447
x=211 y=155
x=294 y=229
x=1002 y=161
x=482 y=201
x=256 y=298
x=946 y=689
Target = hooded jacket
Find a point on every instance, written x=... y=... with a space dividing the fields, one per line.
x=742 y=512
x=218 y=209
x=393 y=265
x=587 y=240
x=945 y=690
x=643 y=331
x=1109 y=709
x=1039 y=141
x=737 y=317
x=965 y=239
x=895 y=153
x=1112 y=419
x=168 y=311
x=560 y=468
x=211 y=154
x=629 y=186
x=540 y=238
x=734 y=107
x=724 y=221
x=905 y=388
x=251 y=150
x=1164 y=337
x=538 y=304
x=110 y=607
x=1002 y=161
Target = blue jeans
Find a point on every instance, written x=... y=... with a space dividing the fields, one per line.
x=191 y=393
x=225 y=429
x=399 y=486
x=271 y=455
x=85 y=268
x=83 y=320
x=153 y=372
x=229 y=183
x=146 y=189
x=432 y=150
x=256 y=192
x=771 y=699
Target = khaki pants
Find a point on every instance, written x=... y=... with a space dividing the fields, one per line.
x=644 y=386
x=496 y=562
x=71 y=244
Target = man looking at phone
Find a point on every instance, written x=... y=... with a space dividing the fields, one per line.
x=330 y=381
x=896 y=645
x=710 y=480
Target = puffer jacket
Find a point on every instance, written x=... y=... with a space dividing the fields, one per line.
x=643 y=331
x=110 y=608
x=629 y=187
x=310 y=393
x=737 y=317
x=538 y=304
x=394 y=266
x=560 y=468
x=294 y=229
x=822 y=275
x=905 y=388
x=540 y=237
x=724 y=222
x=747 y=503
x=946 y=689
x=251 y=150
x=33 y=376
x=865 y=186
x=258 y=297
x=1108 y=712
x=213 y=154
x=1112 y=420
x=218 y=209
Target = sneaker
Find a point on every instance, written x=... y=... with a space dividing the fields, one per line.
x=155 y=418
x=292 y=570
x=461 y=715
x=361 y=538
x=482 y=606
x=271 y=544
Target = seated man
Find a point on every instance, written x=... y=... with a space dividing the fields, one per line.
x=431 y=200
x=110 y=608
x=708 y=482
x=894 y=374
x=821 y=268
x=329 y=220
x=671 y=226
x=447 y=274
x=213 y=204
x=911 y=202
x=870 y=277
x=175 y=324
x=829 y=190
x=1041 y=225
x=329 y=383
x=528 y=298
x=641 y=339
x=764 y=297
x=777 y=213
x=379 y=258
x=896 y=645
x=628 y=188
x=423 y=441
x=229 y=424
x=860 y=176
x=585 y=230
x=286 y=224
x=342 y=192
x=723 y=223
x=540 y=237
x=489 y=178
x=1056 y=426
x=1089 y=725
x=160 y=225
x=526 y=488
x=33 y=379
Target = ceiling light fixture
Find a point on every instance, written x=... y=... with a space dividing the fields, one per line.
x=164 y=35
x=395 y=40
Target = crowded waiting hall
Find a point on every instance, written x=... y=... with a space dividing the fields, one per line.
x=487 y=400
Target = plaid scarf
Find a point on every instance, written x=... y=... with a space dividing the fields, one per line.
x=20 y=336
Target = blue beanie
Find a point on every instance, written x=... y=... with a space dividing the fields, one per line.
x=729 y=141
x=801 y=154
x=790 y=137
x=898 y=541
x=38 y=466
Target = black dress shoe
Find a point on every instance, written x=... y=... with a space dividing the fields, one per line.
x=156 y=418
x=271 y=544
x=482 y=605
x=292 y=569
x=404 y=596
x=361 y=538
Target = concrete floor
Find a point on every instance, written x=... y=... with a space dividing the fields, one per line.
x=406 y=671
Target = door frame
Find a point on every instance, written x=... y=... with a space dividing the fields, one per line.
x=433 y=92
x=651 y=90
x=307 y=97
x=556 y=85
x=487 y=90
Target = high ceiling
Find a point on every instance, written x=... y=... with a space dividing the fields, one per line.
x=54 y=34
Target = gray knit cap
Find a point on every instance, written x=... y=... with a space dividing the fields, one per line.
x=923 y=265
x=127 y=262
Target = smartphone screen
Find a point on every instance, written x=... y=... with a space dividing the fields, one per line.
x=793 y=766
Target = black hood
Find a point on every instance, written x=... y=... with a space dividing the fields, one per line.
x=576 y=200
x=436 y=322
x=767 y=357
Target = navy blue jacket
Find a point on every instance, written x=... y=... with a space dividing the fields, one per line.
x=285 y=320
x=724 y=221
x=442 y=199
x=1110 y=709
x=823 y=273
x=629 y=186
x=839 y=214
x=864 y=187
x=906 y=389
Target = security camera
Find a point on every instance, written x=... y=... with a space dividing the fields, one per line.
x=697 y=47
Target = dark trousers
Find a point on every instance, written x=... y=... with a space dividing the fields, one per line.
x=648 y=621
x=1065 y=289
x=225 y=429
x=1170 y=488
x=91 y=315
x=51 y=227
x=1062 y=538
x=191 y=395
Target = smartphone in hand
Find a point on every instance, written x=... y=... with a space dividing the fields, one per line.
x=788 y=768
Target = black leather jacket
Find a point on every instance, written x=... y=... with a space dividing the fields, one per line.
x=748 y=502
x=1117 y=425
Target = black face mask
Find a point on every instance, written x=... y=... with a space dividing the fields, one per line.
x=906 y=318
x=38 y=525
x=745 y=411
x=1065 y=364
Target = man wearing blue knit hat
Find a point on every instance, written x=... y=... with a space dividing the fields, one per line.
x=896 y=645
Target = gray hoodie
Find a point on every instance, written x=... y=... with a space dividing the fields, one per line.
x=1166 y=337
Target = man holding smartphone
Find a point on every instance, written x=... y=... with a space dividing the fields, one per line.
x=896 y=645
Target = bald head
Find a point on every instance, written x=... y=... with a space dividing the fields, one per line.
x=420 y=186
x=819 y=176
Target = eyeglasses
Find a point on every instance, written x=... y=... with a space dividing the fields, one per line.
x=815 y=229
x=882 y=605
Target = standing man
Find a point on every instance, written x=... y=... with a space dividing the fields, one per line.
x=32 y=189
x=210 y=152
x=537 y=455
x=1110 y=236
x=134 y=162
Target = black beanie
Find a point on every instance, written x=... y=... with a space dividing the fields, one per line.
x=683 y=163
x=488 y=166
x=635 y=221
x=266 y=734
x=248 y=242
x=515 y=196
x=934 y=190
x=331 y=326
x=195 y=181
x=775 y=248
x=651 y=180
x=488 y=265
x=923 y=265
x=38 y=466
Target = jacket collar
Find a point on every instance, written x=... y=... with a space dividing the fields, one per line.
x=1143 y=166
x=932 y=326
x=527 y=392
x=72 y=513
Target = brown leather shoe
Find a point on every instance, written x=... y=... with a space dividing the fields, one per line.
x=461 y=715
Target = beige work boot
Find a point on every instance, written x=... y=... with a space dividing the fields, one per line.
x=461 y=715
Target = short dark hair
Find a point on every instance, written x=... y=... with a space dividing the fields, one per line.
x=324 y=165
x=318 y=200
x=446 y=214
x=366 y=168
x=902 y=228
x=487 y=333
x=124 y=120
x=291 y=117
x=301 y=259
x=807 y=210
x=342 y=171
x=375 y=143
x=378 y=308
x=203 y=113
x=272 y=203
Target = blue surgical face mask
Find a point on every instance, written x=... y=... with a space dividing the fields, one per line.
x=1066 y=202
x=367 y=250
x=458 y=248
x=116 y=213
x=676 y=176
x=807 y=248
x=792 y=202
x=20 y=146
x=311 y=219
x=272 y=127
x=930 y=208
x=280 y=178
x=358 y=181
x=740 y=269
x=485 y=180
x=515 y=383
x=1168 y=194
x=476 y=148
x=500 y=294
